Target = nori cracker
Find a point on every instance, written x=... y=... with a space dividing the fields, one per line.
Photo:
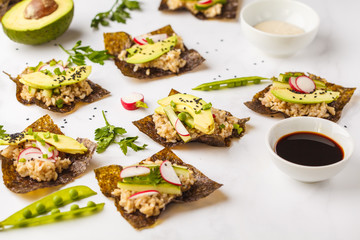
x=14 y=182
x=108 y=177
x=147 y=126
x=118 y=41
x=338 y=104
x=97 y=93
x=229 y=10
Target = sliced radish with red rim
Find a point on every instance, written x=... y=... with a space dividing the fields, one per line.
x=130 y=102
x=305 y=84
x=30 y=153
x=292 y=83
x=141 y=40
x=168 y=173
x=144 y=193
x=45 y=149
x=180 y=128
x=134 y=171
x=204 y=2
x=52 y=68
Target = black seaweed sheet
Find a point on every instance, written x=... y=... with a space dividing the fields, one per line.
x=118 y=41
x=108 y=177
x=147 y=126
x=229 y=10
x=18 y=184
x=339 y=104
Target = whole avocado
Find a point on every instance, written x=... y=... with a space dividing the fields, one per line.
x=37 y=30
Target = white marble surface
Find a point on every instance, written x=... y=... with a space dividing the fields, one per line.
x=257 y=201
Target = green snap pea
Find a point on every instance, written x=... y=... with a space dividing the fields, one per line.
x=229 y=83
x=57 y=215
x=90 y=204
x=182 y=116
x=49 y=202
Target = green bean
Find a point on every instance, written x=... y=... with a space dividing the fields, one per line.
x=57 y=215
x=46 y=204
x=229 y=83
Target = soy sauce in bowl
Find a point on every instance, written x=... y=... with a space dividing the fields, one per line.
x=309 y=149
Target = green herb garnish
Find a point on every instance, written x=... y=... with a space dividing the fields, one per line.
x=198 y=111
x=108 y=134
x=52 y=63
x=47 y=72
x=141 y=104
x=78 y=54
x=117 y=13
x=57 y=71
x=173 y=104
x=59 y=103
x=149 y=41
x=2 y=132
x=222 y=126
x=153 y=178
x=56 y=138
x=207 y=106
x=238 y=128
x=129 y=142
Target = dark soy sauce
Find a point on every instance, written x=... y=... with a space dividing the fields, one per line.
x=309 y=149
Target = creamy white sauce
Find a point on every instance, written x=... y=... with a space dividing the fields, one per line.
x=279 y=27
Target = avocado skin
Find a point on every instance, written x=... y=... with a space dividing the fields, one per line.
x=43 y=35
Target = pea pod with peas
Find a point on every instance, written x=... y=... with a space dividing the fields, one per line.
x=229 y=83
x=29 y=215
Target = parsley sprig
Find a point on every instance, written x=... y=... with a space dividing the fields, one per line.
x=117 y=13
x=153 y=178
x=78 y=54
x=2 y=132
x=108 y=135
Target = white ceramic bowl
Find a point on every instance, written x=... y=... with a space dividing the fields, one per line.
x=289 y=11
x=310 y=124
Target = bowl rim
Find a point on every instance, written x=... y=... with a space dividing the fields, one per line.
x=314 y=119
x=313 y=28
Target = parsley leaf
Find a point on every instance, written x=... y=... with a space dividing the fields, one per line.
x=116 y=13
x=78 y=54
x=2 y=132
x=129 y=142
x=108 y=134
x=153 y=178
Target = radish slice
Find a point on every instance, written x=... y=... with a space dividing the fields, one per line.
x=141 y=40
x=292 y=83
x=144 y=193
x=129 y=102
x=52 y=68
x=180 y=128
x=204 y=2
x=134 y=171
x=168 y=173
x=45 y=149
x=30 y=153
x=305 y=84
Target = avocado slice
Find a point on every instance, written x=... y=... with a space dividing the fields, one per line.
x=203 y=119
x=162 y=187
x=208 y=5
x=173 y=118
x=37 y=31
x=149 y=52
x=318 y=96
x=60 y=142
x=44 y=81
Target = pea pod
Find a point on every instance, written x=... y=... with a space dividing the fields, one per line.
x=229 y=83
x=46 y=204
x=57 y=215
